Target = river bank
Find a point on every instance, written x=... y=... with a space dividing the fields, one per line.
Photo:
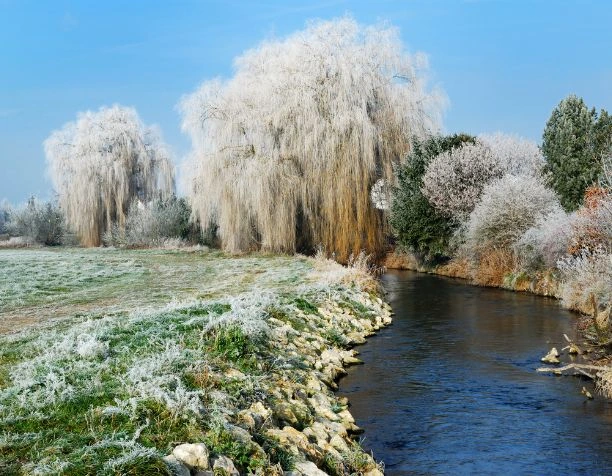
x=451 y=386
x=180 y=362
x=593 y=326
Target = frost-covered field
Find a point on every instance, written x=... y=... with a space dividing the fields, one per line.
x=38 y=285
x=129 y=353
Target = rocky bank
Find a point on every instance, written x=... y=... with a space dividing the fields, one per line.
x=297 y=418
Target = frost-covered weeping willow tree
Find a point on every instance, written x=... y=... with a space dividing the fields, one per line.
x=286 y=151
x=103 y=161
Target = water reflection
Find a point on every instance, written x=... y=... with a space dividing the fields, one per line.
x=450 y=387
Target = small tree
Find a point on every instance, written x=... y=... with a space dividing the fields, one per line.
x=103 y=161
x=573 y=142
x=417 y=225
x=454 y=180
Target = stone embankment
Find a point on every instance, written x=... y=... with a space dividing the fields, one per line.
x=312 y=428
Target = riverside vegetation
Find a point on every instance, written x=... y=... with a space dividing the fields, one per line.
x=227 y=365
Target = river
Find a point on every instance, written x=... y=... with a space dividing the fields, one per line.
x=450 y=387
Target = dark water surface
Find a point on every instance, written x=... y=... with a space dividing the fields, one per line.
x=451 y=387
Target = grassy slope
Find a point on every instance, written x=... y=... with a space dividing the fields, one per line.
x=143 y=355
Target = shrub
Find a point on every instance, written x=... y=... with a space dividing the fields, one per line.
x=454 y=180
x=417 y=225
x=156 y=224
x=507 y=209
x=592 y=227
x=542 y=245
x=39 y=222
x=587 y=274
x=5 y=213
x=516 y=155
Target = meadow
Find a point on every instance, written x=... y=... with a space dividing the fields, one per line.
x=110 y=358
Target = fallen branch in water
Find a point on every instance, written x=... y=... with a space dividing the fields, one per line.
x=582 y=368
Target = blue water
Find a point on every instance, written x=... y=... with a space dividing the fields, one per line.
x=450 y=387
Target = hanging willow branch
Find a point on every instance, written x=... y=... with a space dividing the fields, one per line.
x=286 y=152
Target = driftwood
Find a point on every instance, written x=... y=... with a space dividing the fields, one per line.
x=572 y=348
x=582 y=368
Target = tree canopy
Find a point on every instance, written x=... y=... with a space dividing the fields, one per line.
x=100 y=163
x=574 y=140
x=285 y=153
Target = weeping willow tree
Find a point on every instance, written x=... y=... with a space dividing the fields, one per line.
x=103 y=161
x=286 y=151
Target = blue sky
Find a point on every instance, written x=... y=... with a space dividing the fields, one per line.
x=504 y=64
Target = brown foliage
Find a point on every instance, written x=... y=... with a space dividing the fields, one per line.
x=587 y=234
x=494 y=264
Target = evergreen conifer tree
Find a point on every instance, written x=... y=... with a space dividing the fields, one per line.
x=573 y=143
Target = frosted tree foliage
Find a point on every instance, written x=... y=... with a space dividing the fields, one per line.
x=454 y=180
x=286 y=152
x=509 y=207
x=545 y=243
x=516 y=155
x=100 y=163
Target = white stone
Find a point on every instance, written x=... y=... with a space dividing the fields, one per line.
x=178 y=468
x=194 y=456
x=223 y=463
x=308 y=468
x=551 y=357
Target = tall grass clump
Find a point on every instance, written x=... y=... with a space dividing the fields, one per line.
x=285 y=153
x=100 y=163
x=587 y=281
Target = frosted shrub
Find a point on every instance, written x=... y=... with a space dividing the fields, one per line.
x=103 y=161
x=154 y=224
x=545 y=243
x=38 y=222
x=592 y=227
x=286 y=152
x=5 y=213
x=454 y=180
x=508 y=207
x=516 y=155
x=584 y=275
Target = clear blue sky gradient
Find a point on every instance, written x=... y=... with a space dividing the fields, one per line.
x=504 y=64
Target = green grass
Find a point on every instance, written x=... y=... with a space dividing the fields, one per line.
x=110 y=358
